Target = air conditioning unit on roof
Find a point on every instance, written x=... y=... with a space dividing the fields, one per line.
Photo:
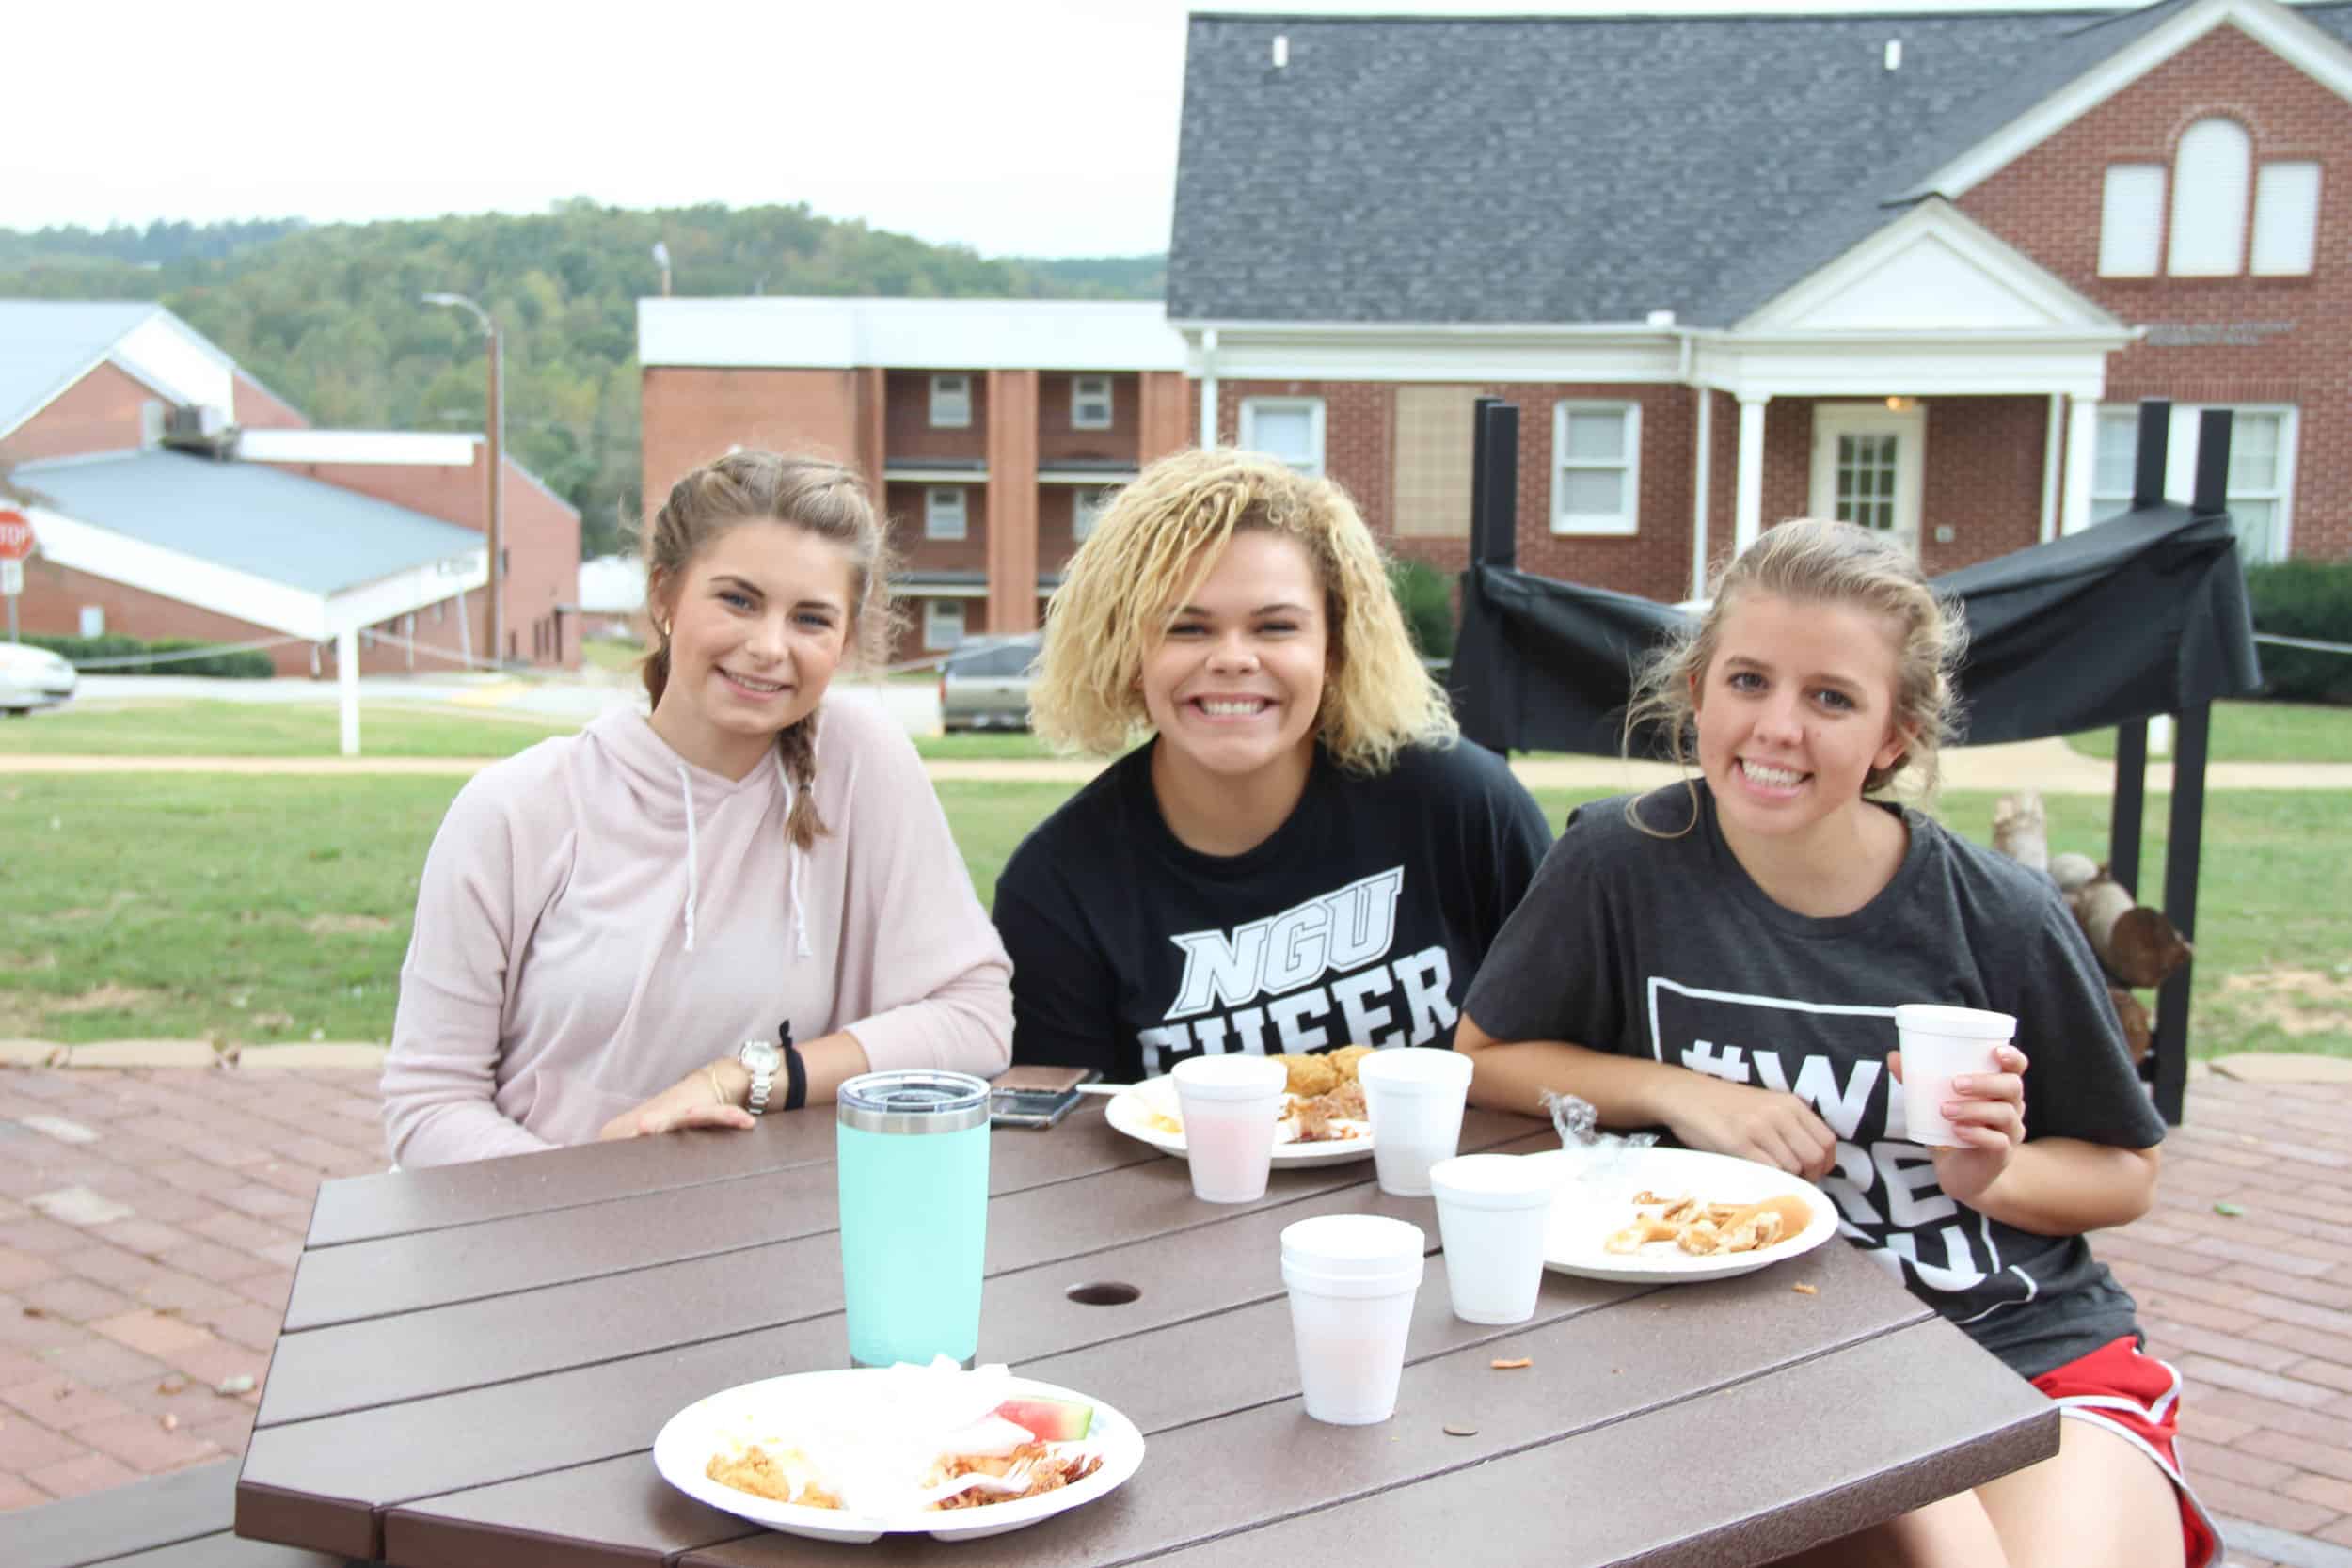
x=199 y=425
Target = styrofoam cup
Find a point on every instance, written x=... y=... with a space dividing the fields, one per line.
x=1493 y=1210
x=1413 y=1095
x=1230 y=1105
x=1351 y=1278
x=1939 y=1044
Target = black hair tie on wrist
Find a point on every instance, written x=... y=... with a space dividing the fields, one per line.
x=795 y=1070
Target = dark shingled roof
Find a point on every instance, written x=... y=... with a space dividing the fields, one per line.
x=1581 y=169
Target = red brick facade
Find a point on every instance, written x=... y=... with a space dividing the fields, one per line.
x=2048 y=203
x=98 y=413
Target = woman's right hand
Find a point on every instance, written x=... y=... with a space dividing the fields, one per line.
x=1769 y=1126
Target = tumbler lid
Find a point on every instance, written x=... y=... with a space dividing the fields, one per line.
x=914 y=1100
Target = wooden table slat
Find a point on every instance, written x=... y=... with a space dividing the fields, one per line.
x=225 y=1550
x=362 y=1279
x=1234 y=1360
x=179 y=1506
x=347 y=1367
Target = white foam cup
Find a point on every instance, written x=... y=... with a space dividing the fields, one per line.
x=1939 y=1044
x=1413 y=1097
x=1493 y=1210
x=1230 y=1105
x=1351 y=1278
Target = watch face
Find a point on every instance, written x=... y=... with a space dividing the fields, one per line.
x=760 y=1056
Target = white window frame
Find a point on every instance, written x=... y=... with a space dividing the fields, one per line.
x=2180 y=467
x=951 y=402
x=2109 y=504
x=1252 y=407
x=946 y=512
x=1615 y=525
x=2277 y=251
x=2209 y=222
x=93 y=620
x=1083 y=402
x=2131 y=220
x=937 y=637
x=1081 y=526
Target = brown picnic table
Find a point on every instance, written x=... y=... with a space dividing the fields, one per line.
x=476 y=1360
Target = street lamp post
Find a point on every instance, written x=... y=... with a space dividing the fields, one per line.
x=497 y=466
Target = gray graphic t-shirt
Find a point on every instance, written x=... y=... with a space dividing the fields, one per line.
x=1665 y=948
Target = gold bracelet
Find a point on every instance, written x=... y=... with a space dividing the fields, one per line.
x=716 y=1092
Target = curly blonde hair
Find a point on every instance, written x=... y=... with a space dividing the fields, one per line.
x=813 y=494
x=1814 y=561
x=1152 y=548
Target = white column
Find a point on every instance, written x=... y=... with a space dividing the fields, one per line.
x=1208 y=390
x=2082 y=455
x=1703 y=446
x=347 y=686
x=1748 y=521
x=2052 y=442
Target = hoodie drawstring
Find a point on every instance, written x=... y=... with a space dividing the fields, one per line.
x=792 y=858
x=693 y=884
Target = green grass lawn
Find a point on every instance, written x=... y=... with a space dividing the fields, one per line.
x=2258 y=732
x=612 y=653
x=208 y=729
x=262 y=908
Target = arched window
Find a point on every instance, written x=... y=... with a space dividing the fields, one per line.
x=2212 y=176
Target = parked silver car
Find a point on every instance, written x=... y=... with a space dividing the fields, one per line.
x=985 y=684
x=32 y=678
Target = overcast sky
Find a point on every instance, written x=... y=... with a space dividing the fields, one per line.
x=1031 y=127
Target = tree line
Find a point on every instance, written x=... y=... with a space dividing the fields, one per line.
x=328 y=317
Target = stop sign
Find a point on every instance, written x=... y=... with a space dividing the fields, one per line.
x=16 y=536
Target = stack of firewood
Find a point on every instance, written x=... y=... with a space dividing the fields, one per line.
x=2137 y=947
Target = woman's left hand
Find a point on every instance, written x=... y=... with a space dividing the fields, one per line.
x=693 y=1101
x=1988 y=1111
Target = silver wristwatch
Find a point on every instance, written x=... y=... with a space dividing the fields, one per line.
x=761 y=1058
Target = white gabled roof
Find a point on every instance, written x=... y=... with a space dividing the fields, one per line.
x=48 y=345
x=907 y=334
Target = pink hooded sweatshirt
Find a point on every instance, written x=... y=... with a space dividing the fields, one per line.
x=599 y=917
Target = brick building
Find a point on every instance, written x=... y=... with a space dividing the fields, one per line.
x=995 y=426
x=173 y=495
x=1915 y=270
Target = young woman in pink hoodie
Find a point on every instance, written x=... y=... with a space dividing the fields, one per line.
x=616 y=932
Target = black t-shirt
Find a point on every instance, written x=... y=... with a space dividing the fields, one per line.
x=1665 y=948
x=1360 y=921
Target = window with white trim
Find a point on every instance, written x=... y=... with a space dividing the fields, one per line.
x=93 y=620
x=2211 y=176
x=943 y=624
x=1090 y=402
x=2286 y=219
x=2115 y=464
x=1086 y=510
x=951 y=402
x=2259 y=461
x=945 y=512
x=2131 y=220
x=1597 y=467
x=1288 y=429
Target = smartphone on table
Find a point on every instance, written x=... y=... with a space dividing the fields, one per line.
x=1036 y=1095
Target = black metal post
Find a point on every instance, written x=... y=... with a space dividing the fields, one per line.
x=2156 y=430
x=1495 y=483
x=2213 y=463
x=2131 y=799
x=2184 y=848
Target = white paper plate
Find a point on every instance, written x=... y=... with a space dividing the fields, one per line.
x=702 y=1429
x=1132 y=1112
x=1594 y=1199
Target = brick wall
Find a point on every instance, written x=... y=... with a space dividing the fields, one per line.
x=259 y=409
x=968 y=554
x=907 y=436
x=98 y=413
x=1059 y=441
x=690 y=415
x=2047 y=203
x=907 y=645
x=1983 y=479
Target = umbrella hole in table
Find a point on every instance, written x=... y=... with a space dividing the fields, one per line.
x=1103 y=1294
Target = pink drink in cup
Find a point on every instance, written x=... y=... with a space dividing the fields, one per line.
x=1939 y=1044
x=1230 y=1105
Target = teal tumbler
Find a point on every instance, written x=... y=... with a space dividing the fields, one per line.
x=913 y=1163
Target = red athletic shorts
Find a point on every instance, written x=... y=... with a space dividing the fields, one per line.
x=2138 y=1398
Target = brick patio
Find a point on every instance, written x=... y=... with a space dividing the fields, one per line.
x=150 y=1219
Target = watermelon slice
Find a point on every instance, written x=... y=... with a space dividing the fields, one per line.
x=1050 y=1420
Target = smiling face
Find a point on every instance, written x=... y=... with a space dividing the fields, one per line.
x=759 y=622
x=1795 y=709
x=1235 y=685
